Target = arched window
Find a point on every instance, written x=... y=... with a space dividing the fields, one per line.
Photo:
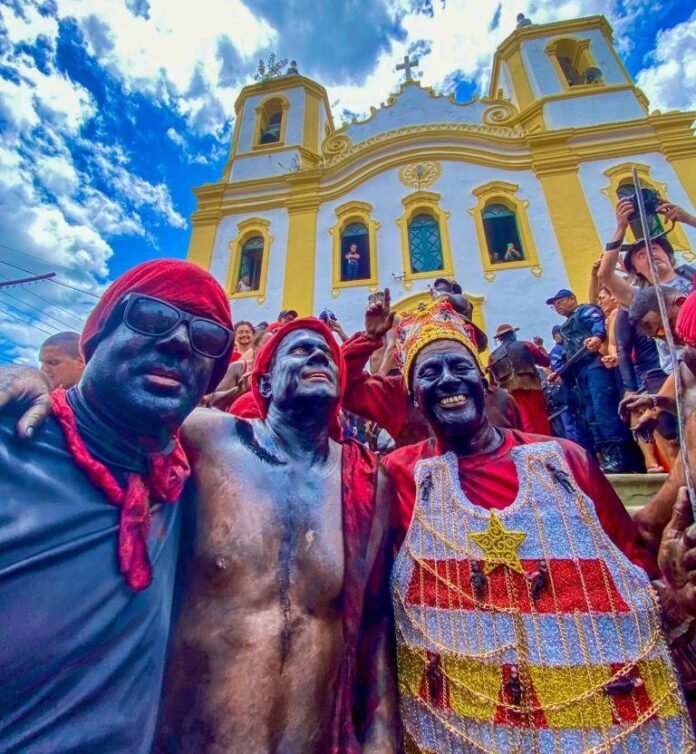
x=271 y=116
x=503 y=231
x=621 y=185
x=574 y=62
x=502 y=234
x=250 y=264
x=424 y=244
x=355 y=252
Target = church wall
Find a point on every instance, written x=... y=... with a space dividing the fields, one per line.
x=576 y=112
x=385 y=192
x=248 y=307
x=263 y=165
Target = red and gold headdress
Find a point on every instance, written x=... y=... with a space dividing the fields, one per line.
x=428 y=323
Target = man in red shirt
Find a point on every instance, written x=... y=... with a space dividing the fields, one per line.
x=523 y=612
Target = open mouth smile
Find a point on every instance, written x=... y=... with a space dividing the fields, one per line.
x=453 y=401
x=317 y=376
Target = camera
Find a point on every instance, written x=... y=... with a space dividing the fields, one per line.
x=651 y=200
x=327 y=316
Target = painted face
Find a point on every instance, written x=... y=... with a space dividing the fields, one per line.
x=448 y=386
x=303 y=371
x=61 y=369
x=641 y=263
x=565 y=306
x=141 y=380
x=243 y=335
x=607 y=303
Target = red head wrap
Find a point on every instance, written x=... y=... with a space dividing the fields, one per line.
x=265 y=356
x=182 y=284
x=686 y=321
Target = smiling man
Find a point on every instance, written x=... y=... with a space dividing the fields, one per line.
x=524 y=618
x=89 y=526
x=282 y=640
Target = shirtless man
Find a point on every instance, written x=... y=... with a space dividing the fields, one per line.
x=283 y=637
x=263 y=641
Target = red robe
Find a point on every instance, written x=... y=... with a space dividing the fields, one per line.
x=532 y=405
x=490 y=480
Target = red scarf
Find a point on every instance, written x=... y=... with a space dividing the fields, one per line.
x=164 y=481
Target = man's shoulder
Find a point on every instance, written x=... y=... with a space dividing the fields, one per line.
x=204 y=426
x=408 y=454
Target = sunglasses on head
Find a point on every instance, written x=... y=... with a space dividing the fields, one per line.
x=151 y=316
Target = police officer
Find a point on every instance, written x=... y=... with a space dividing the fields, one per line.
x=512 y=365
x=582 y=335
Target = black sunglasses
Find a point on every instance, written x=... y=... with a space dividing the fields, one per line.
x=152 y=316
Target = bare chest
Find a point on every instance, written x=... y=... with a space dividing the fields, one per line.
x=264 y=529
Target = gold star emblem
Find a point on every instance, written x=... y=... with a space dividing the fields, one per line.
x=499 y=545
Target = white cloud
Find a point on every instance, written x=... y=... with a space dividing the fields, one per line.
x=172 y=54
x=670 y=80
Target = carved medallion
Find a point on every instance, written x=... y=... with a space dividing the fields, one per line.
x=420 y=175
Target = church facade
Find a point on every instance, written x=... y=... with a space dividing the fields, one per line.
x=512 y=194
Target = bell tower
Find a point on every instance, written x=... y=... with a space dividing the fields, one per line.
x=565 y=75
x=280 y=125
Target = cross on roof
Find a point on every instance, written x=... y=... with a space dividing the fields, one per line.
x=406 y=67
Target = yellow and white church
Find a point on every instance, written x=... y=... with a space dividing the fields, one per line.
x=511 y=194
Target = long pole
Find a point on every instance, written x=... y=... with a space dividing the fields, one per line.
x=669 y=338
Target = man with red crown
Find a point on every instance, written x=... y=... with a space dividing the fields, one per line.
x=525 y=620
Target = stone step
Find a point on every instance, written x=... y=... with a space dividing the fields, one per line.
x=635 y=490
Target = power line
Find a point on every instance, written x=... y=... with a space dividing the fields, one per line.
x=81 y=320
x=27 y=281
x=36 y=309
x=24 y=322
x=53 y=280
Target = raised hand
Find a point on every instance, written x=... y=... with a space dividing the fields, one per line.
x=624 y=209
x=379 y=317
x=29 y=389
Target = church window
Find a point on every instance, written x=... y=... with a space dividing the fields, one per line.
x=249 y=252
x=355 y=250
x=354 y=247
x=574 y=62
x=249 y=275
x=502 y=228
x=621 y=186
x=271 y=120
x=502 y=234
x=424 y=244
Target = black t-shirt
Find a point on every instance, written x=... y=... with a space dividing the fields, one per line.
x=81 y=653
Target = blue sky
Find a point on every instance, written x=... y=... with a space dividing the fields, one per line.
x=111 y=110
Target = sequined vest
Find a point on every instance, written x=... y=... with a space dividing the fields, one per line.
x=526 y=630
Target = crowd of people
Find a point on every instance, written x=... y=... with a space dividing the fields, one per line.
x=283 y=538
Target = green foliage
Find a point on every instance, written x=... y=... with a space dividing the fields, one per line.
x=271 y=69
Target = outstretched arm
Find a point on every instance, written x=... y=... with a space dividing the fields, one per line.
x=28 y=388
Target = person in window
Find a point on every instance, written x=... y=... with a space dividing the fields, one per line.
x=244 y=284
x=512 y=254
x=352 y=257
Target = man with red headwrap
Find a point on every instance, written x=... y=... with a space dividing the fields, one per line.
x=90 y=522
x=282 y=641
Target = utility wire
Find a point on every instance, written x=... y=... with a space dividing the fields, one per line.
x=33 y=256
x=53 y=280
x=40 y=311
x=24 y=322
x=81 y=320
